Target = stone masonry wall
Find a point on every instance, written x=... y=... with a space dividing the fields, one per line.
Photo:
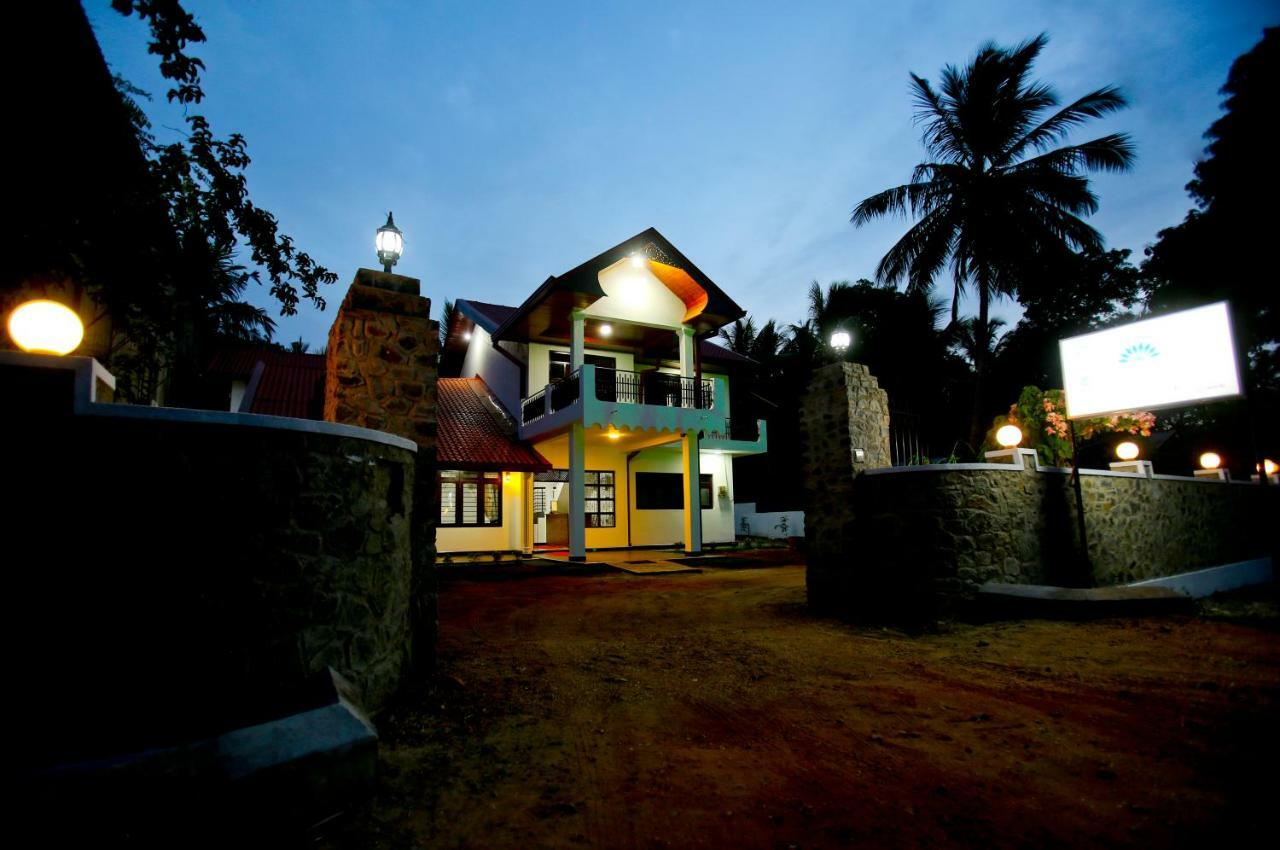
x=381 y=369
x=382 y=359
x=844 y=410
x=198 y=574
x=960 y=528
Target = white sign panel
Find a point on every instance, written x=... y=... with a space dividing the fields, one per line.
x=1171 y=360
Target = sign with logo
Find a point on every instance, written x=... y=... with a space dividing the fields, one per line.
x=1172 y=360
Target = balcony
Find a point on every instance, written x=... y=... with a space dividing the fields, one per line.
x=656 y=401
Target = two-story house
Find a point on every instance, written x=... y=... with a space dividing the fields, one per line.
x=595 y=415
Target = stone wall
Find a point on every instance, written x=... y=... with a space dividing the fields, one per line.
x=174 y=574
x=381 y=369
x=381 y=363
x=961 y=527
x=914 y=542
x=844 y=411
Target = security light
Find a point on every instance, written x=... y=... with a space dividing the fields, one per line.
x=390 y=244
x=1009 y=435
x=46 y=327
x=1128 y=450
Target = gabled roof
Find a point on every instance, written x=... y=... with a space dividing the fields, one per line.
x=474 y=433
x=545 y=313
x=289 y=384
x=491 y=316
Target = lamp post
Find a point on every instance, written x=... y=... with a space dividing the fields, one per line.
x=390 y=244
x=841 y=340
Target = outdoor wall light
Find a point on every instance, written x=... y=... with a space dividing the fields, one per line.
x=613 y=434
x=637 y=260
x=1269 y=465
x=45 y=327
x=390 y=244
x=1009 y=435
x=841 y=340
x=1210 y=460
x=606 y=330
x=1128 y=450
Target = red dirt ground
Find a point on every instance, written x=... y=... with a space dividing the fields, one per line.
x=713 y=710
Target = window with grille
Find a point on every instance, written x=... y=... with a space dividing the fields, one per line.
x=470 y=498
x=599 y=499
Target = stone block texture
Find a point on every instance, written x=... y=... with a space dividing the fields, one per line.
x=843 y=410
x=916 y=544
x=196 y=575
x=381 y=371
x=382 y=359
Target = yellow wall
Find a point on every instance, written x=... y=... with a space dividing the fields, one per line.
x=654 y=528
x=497 y=538
x=598 y=457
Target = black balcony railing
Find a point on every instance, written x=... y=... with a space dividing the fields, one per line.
x=746 y=430
x=658 y=388
x=534 y=407
x=566 y=391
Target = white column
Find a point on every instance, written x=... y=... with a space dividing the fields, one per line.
x=577 y=492
x=687 y=362
x=578 y=340
x=692 y=497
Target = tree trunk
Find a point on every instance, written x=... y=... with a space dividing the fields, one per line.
x=982 y=343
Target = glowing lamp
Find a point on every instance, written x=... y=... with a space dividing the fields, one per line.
x=606 y=330
x=637 y=260
x=1210 y=460
x=1128 y=450
x=46 y=327
x=841 y=340
x=466 y=336
x=613 y=434
x=390 y=244
x=1009 y=435
x=1269 y=465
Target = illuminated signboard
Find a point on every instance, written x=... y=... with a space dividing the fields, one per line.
x=1177 y=359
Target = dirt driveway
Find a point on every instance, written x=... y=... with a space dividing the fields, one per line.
x=713 y=711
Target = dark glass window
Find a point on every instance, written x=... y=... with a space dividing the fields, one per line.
x=664 y=491
x=560 y=364
x=470 y=498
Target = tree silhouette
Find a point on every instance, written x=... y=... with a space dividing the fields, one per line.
x=999 y=197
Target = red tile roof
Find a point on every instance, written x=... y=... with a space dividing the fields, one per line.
x=291 y=384
x=473 y=433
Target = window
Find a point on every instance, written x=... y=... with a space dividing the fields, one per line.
x=470 y=498
x=560 y=364
x=664 y=491
x=599 y=499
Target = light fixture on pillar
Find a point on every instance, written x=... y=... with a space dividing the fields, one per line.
x=1210 y=460
x=1008 y=436
x=390 y=244
x=45 y=327
x=1211 y=468
x=841 y=340
x=1128 y=450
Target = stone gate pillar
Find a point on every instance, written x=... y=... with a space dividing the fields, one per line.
x=380 y=372
x=844 y=431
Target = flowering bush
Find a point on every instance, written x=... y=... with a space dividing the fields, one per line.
x=1042 y=416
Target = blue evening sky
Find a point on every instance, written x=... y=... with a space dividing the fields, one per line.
x=515 y=140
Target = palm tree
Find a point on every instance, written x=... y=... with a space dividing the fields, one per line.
x=999 y=197
x=761 y=345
